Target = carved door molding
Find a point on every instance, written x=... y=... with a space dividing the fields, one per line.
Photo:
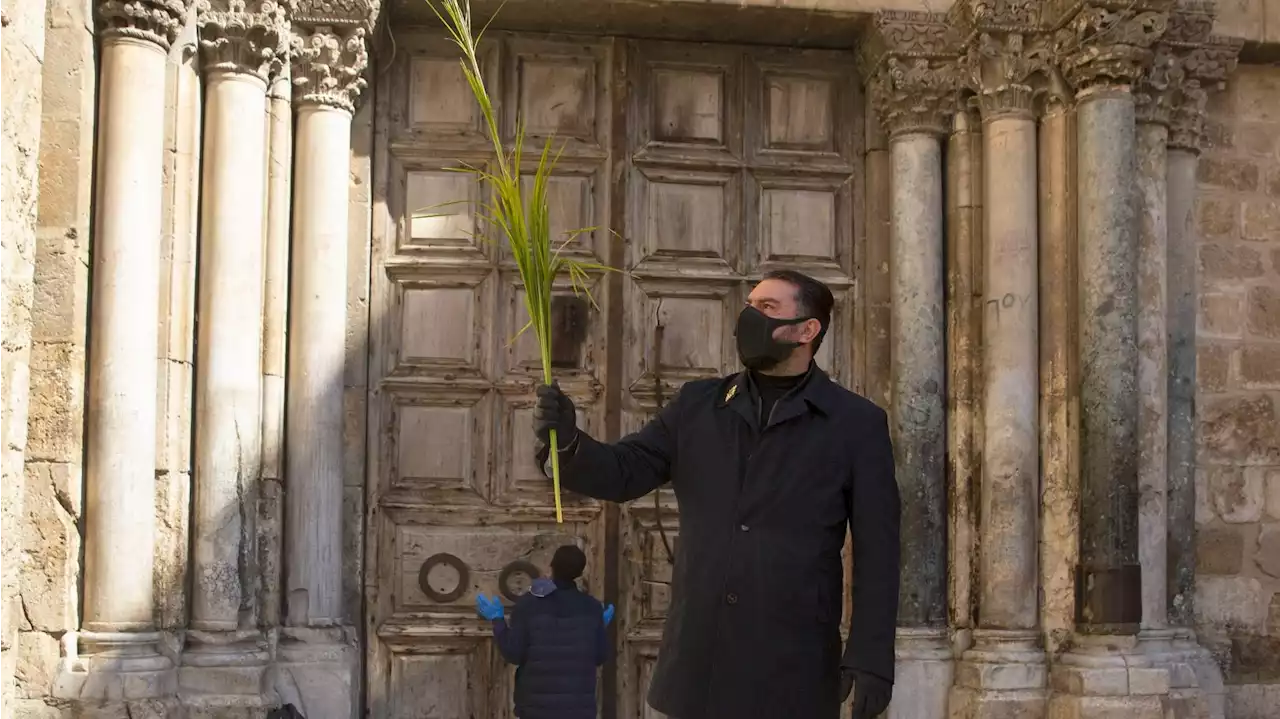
x=701 y=166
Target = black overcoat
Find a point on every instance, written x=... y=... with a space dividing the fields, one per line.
x=753 y=630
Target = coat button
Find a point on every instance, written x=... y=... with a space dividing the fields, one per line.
x=731 y=598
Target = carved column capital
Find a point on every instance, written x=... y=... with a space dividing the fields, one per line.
x=1153 y=93
x=329 y=51
x=244 y=36
x=328 y=64
x=156 y=21
x=910 y=62
x=1203 y=68
x=1005 y=54
x=1108 y=44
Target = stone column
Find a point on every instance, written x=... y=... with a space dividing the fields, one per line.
x=1203 y=63
x=1104 y=670
x=964 y=372
x=117 y=650
x=317 y=652
x=279 y=173
x=913 y=98
x=1059 y=394
x=226 y=653
x=1005 y=670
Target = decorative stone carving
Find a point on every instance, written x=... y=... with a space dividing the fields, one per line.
x=1109 y=44
x=247 y=36
x=328 y=65
x=361 y=13
x=156 y=21
x=1202 y=63
x=329 y=52
x=1003 y=51
x=1154 y=91
x=910 y=62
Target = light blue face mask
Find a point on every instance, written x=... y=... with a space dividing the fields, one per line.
x=542 y=587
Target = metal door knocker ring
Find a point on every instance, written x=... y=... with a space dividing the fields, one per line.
x=517 y=567
x=446 y=559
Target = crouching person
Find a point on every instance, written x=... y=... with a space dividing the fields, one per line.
x=556 y=638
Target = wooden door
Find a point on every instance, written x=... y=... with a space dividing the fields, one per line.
x=702 y=166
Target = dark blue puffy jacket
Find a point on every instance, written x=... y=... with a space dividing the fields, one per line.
x=556 y=640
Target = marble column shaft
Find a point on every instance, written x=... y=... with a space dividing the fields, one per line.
x=327 y=67
x=121 y=418
x=1109 y=579
x=1152 y=138
x=1059 y=521
x=240 y=46
x=919 y=372
x=1010 y=464
x=279 y=171
x=229 y=386
x=1182 y=297
x=964 y=371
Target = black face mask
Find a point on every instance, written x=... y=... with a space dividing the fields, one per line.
x=757 y=347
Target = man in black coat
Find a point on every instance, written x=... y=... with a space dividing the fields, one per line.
x=769 y=466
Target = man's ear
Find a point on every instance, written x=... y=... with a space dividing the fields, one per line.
x=811 y=329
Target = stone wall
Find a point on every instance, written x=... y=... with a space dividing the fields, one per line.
x=22 y=45
x=53 y=501
x=1238 y=477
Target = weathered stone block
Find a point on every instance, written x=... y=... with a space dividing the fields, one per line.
x=1237 y=495
x=1213 y=366
x=1273 y=616
x=1253 y=701
x=56 y=423
x=60 y=313
x=1240 y=430
x=1231 y=604
x=51 y=540
x=1230 y=262
x=1261 y=220
x=1222 y=314
x=1257 y=658
x=1273 y=182
x=1272 y=481
x=1260 y=366
x=1255 y=90
x=1219 y=550
x=1218 y=217
x=1228 y=173
x=1267 y=554
x=1264 y=310
x=38 y=655
x=1257 y=138
x=1239 y=18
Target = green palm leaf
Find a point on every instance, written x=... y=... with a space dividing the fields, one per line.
x=524 y=220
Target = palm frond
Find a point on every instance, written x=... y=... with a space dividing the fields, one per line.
x=524 y=219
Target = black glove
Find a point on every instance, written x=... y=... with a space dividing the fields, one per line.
x=871 y=694
x=554 y=411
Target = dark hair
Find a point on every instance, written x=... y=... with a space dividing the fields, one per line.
x=568 y=563
x=813 y=297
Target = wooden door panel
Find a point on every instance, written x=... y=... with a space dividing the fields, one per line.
x=457 y=506
x=731 y=161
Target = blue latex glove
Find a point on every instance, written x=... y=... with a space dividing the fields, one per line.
x=489 y=607
x=608 y=615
